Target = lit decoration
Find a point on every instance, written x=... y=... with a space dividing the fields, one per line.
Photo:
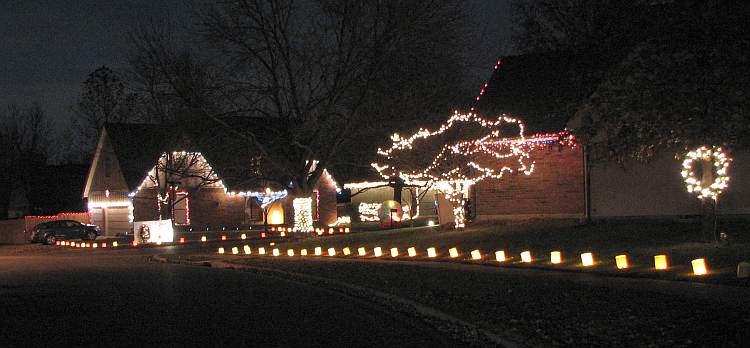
x=318 y=251
x=282 y=234
x=455 y=168
x=526 y=256
x=366 y=185
x=331 y=251
x=712 y=164
x=303 y=252
x=223 y=237
x=500 y=256
x=290 y=252
x=203 y=239
x=303 y=218
x=431 y=223
x=361 y=252
x=476 y=255
x=555 y=257
x=346 y=230
x=346 y=251
x=135 y=243
x=431 y=252
x=243 y=236
x=104 y=245
x=276 y=252
x=263 y=235
x=342 y=220
x=114 y=244
x=621 y=261
x=412 y=251
x=247 y=250
x=453 y=252
x=390 y=214
x=96 y=245
x=660 y=262
x=368 y=212
x=221 y=250
x=378 y=252
x=699 y=266
x=587 y=259
x=394 y=252
x=235 y=250
x=261 y=251
x=182 y=240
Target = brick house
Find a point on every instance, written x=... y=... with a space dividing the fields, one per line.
x=215 y=188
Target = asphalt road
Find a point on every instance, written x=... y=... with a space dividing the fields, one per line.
x=64 y=298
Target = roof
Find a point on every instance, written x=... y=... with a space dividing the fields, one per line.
x=138 y=147
x=543 y=89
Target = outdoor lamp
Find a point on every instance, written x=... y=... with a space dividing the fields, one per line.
x=660 y=262
x=587 y=259
x=526 y=256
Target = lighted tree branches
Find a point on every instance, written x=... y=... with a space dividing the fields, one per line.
x=463 y=151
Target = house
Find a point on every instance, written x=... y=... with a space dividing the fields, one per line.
x=146 y=172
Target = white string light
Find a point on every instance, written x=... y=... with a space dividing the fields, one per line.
x=454 y=169
x=719 y=164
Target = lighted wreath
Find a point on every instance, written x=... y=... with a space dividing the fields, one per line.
x=719 y=164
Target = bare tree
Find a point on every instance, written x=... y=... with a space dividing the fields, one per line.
x=25 y=133
x=308 y=72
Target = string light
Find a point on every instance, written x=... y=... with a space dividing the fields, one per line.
x=302 y=214
x=369 y=211
x=719 y=164
x=454 y=169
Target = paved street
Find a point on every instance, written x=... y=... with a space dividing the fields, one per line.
x=118 y=298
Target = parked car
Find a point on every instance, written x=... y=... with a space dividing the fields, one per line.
x=49 y=232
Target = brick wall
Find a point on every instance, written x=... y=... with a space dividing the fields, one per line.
x=554 y=189
x=209 y=207
x=213 y=207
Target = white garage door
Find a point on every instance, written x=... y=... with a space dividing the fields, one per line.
x=115 y=221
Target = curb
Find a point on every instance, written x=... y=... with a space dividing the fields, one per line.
x=459 y=329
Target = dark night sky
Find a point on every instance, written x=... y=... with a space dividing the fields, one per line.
x=49 y=47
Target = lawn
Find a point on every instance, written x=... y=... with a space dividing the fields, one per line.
x=640 y=240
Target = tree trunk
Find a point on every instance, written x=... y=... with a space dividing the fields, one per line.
x=398 y=186
x=708 y=220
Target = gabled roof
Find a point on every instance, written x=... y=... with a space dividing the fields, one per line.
x=543 y=89
x=138 y=147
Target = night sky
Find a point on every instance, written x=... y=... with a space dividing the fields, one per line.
x=49 y=47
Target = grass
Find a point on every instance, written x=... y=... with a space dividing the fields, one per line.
x=640 y=240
